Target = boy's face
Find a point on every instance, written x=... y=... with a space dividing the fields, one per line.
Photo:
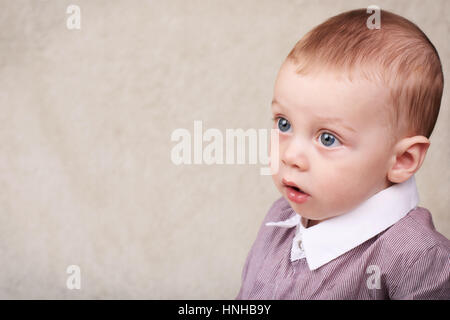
x=339 y=163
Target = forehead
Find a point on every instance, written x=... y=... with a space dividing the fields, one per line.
x=324 y=95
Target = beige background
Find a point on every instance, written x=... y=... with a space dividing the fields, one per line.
x=86 y=118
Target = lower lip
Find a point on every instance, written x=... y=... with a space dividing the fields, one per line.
x=296 y=196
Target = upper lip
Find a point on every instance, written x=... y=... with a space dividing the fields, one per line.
x=292 y=184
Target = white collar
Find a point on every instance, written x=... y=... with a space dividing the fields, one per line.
x=333 y=237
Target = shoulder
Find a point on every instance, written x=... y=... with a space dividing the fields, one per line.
x=415 y=234
x=279 y=210
x=417 y=255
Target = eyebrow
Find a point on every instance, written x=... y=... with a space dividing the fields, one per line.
x=324 y=119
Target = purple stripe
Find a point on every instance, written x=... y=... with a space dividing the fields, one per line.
x=410 y=259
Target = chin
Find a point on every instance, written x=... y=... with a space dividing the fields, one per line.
x=304 y=211
x=299 y=208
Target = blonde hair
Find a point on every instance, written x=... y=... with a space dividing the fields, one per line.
x=399 y=54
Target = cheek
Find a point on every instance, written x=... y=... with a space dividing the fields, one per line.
x=279 y=174
x=344 y=184
x=341 y=194
x=276 y=178
x=277 y=141
x=373 y=163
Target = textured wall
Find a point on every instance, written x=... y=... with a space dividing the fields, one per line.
x=86 y=117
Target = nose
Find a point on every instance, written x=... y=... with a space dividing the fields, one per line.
x=294 y=155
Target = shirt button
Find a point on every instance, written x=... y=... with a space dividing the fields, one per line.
x=300 y=244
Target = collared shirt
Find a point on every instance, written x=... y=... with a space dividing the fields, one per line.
x=385 y=248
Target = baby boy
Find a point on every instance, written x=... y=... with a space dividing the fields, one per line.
x=355 y=108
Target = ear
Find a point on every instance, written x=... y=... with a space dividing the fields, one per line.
x=408 y=157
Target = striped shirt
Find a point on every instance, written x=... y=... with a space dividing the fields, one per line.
x=398 y=258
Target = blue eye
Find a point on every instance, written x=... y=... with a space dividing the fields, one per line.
x=283 y=124
x=327 y=139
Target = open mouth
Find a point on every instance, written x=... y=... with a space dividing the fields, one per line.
x=292 y=186
x=296 y=188
x=294 y=193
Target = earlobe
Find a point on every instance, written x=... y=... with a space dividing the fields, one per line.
x=408 y=158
